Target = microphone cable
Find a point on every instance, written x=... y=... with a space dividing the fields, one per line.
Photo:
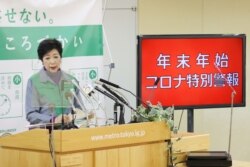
x=51 y=140
x=179 y=124
x=52 y=148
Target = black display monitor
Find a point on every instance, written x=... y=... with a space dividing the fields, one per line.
x=192 y=71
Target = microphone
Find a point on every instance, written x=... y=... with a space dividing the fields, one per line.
x=81 y=90
x=69 y=97
x=89 y=90
x=84 y=93
x=120 y=98
x=121 y=119
x=115 y=94
x=106 y=94
x=109 y=83
x=117 y=86
x=112 y=92
x=78 y=100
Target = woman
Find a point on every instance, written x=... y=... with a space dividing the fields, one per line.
x=50 y=92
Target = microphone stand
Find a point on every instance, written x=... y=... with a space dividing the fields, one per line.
x=51 y=137
x=232 y=106
x=122 y=100
x=121 y=117
x=69 y=97
x=79 y=102
x=116 y=98
x=115 y=113
x=73 y=119
x=117 y=103
x=62 y=125
x=231 y=120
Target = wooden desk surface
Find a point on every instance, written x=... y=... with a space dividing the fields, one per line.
x=240 y=163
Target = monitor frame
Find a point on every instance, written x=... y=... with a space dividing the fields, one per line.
x=141 y=38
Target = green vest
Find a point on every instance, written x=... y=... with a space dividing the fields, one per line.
x=52 y=95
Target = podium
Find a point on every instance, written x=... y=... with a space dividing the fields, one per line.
x=129 y=145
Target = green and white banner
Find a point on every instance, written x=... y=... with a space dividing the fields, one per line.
x=23 y=24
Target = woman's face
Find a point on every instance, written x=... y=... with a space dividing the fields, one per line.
x=52 y=61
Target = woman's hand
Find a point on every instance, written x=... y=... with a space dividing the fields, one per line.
x=66 y=118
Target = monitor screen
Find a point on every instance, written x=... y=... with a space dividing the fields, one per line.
x=192 y=71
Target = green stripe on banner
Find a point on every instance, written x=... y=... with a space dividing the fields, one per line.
x=22 y=42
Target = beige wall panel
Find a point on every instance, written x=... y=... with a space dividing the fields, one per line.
x=169 y=16
x=226 y=16
x=206 y=17
x=229 y=16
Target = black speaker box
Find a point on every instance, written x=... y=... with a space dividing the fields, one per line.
x=208 y=159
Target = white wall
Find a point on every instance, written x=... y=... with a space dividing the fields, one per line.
x=181 y=17
x=120 y=27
